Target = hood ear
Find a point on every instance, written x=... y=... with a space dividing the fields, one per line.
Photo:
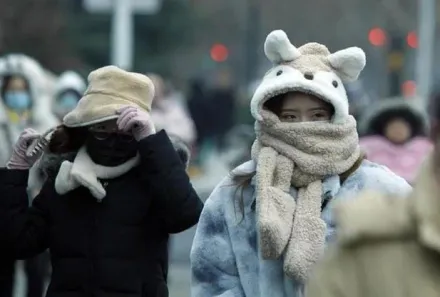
x=348 y=63
x=279 y=49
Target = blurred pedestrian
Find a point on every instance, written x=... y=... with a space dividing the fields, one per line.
x=169 y=113
x=197 y=101
x=24 y=103
x=395 y=135
x=115 y=192
x=358 y=98
x=267 y=223
x=68 y=90
x=388 y=246
x=220 y=110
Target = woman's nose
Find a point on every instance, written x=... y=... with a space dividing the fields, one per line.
x=308 y=75
x=305 y=118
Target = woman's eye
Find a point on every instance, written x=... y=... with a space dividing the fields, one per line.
x=288 y=117
x=320 y=116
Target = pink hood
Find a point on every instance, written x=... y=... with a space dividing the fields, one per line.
x=404 y=160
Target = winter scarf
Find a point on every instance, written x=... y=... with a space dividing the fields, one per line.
x=298 y=154
x=84 y=172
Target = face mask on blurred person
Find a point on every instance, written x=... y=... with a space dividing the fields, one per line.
x=18 y=100
x=68 y=101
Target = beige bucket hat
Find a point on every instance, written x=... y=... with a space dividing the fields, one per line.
x=109 y=89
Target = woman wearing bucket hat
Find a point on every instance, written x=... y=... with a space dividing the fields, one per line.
x=395 y=135
x=266 y=224
x=107 y=213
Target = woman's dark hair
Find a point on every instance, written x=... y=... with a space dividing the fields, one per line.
x=242 y=180
x=380 y=121
x=66 y=140
x=275 y=104
x=7 y=80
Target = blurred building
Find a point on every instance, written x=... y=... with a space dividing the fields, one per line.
x=238 y=28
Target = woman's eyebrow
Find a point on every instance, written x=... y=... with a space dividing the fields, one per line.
x=319 y=109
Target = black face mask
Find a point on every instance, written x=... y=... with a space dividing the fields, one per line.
x=111 y=149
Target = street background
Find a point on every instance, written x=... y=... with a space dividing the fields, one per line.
x=208 y=55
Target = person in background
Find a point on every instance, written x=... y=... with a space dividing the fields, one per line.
x=24 y=103
x=24 y=100
x=387 y=246
x=267 y=223
x=222 y=98
x=197 y=101
x=395 y=135
x=118 y=191
x=168 y=113
x=68 y=90
x=358 y=98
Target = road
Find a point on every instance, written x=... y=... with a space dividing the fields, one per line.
x=179 y=277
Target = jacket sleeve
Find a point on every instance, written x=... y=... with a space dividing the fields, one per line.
x=335 y=276
x=213 y=266
x=164 y=173
x=380 y=178
x=24 y=229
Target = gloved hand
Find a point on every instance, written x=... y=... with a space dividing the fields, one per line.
x=19 y=159
x=135 y=120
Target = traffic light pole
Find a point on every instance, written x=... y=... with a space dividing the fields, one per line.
x=253 y=20
x=426 y=27
x=395 y=64
x=122 y=34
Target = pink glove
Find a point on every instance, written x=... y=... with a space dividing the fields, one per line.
x=19 y=159
x=135 y=120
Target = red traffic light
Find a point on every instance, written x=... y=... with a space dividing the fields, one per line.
x=377 y=37
x=409 y=88
x=219 y=52
x=412 y=39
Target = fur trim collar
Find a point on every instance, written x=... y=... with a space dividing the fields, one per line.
x=375 y=216
x=84 y=172
x=372 y=216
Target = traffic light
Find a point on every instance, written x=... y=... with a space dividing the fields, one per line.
x=396 y=61
x=409 y=88
x=377 y=37
x=219 y=52
x=412 y=39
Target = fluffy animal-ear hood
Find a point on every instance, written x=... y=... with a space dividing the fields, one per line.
x=50 y=164
x=310 y=68
x=375 y=118
x=70 y=80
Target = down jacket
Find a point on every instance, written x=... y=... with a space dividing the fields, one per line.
x=113 y=248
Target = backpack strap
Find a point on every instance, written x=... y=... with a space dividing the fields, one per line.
x=343 y=177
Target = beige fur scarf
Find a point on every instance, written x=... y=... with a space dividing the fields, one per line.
x=298 y=154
